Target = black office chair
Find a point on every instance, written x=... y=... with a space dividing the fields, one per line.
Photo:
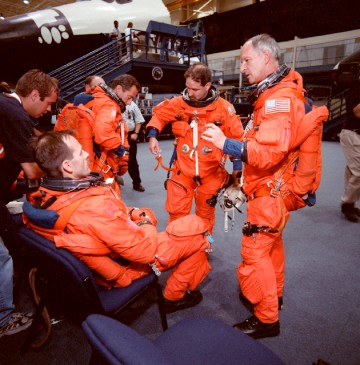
x=196 y=341
x=68 y=283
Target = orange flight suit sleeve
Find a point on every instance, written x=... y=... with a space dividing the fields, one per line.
x=102 y=218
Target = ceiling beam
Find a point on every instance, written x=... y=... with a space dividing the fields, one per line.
x=179 y=3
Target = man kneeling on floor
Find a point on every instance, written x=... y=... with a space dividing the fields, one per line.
x=99 y=228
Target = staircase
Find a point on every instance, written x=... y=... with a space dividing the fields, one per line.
x=161 y=44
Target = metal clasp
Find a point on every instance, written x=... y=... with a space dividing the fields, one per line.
x=108 y=168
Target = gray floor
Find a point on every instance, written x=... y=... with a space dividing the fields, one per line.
x=321 y=312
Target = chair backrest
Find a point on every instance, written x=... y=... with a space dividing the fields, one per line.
x=72 y=284
x=199 y=340
x=114 y=343
x=69 y=279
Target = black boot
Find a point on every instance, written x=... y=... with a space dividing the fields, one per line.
x=357 y=211
x=254 y=328
x=138 y=187
x=190 y=299
x=350 y=212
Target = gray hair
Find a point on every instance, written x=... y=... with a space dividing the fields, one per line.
x=263 y=42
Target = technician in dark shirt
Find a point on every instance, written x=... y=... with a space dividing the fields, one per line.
x=34 y=94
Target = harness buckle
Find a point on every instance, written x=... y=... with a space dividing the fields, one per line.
x=106 y=170
x=197 y=180
x=274 y=193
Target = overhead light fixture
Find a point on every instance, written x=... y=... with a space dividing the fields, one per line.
x=26 y=2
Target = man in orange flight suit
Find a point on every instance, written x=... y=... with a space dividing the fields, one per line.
x=109 y=129
x=101 y=228
x=271 y=140
x=198 y=165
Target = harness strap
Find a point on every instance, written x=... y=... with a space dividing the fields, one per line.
x=67 y=212
x=61 y=223
x=122 y=131
x=194 y=126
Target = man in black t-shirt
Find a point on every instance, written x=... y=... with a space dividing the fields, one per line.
x=34 y=94
x=350 y=142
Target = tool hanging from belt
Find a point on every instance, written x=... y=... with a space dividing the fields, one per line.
x=249 y=229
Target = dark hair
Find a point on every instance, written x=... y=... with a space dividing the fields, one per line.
x=130 y=25
x=199 y=72
x=4 y=87
x=36 y=80
x=50 y=151
x=126 y=81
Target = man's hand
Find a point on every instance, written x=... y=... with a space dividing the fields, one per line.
x=134 y=137
x=154 y=146
x=141 y=215
x=214 y=135
x=32 y=170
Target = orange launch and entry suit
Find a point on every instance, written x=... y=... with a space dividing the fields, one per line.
x=271 y=145
x=102 y=228
x=105 y=136
x=198 y=165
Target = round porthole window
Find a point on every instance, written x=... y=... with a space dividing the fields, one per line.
x=157 y=73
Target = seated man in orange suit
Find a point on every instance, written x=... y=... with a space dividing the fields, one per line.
x=100 y=228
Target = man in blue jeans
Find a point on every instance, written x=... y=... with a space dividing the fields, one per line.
x=10 y=323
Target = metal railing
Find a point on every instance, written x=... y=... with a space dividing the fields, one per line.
x=115 y=58
x=337 y=106
x=100 y=61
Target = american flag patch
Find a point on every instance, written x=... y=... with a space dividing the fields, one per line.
x=277 y=105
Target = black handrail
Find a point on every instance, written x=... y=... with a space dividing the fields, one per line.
x=114 y=55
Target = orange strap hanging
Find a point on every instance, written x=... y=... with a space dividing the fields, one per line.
x=160 y=163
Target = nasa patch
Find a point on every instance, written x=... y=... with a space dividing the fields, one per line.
x=231 y=110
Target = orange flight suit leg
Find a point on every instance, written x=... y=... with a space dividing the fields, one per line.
x=205 y=192
x=188 y=260
x=261 y=274
x=187 y=274
x=180 y=195
x=181 y=191
x=277 y=255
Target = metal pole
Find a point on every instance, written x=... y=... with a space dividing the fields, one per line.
x=294 y=54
